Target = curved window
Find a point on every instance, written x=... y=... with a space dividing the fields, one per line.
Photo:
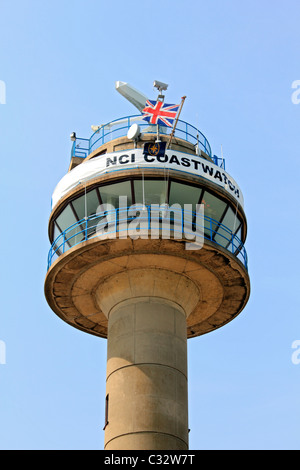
x=86 y=205
x=110 y=193
x=150 y=191
x=221 y=222
x=184 y=194
x=66 y=218
x=214 y=209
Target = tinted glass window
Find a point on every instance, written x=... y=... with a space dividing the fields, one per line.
x=110 y=193
x=184 y=194
x=150 y=191
x=66 y=218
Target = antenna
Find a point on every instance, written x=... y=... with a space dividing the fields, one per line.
x=222 y=156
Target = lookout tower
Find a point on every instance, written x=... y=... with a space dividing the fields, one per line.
x=147 y=233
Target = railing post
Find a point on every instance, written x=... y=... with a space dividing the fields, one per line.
x=64 y=241
x=86 y=228
x=149 y=218
x=210 y=225
x=73 y=149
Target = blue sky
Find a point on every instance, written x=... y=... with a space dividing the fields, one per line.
x=236 y=62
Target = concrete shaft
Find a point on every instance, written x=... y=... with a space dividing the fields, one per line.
x=147 y=297
x=146 y=391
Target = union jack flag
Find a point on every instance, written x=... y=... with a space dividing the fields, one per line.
x=157 y=112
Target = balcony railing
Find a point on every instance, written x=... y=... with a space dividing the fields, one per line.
x=119 y=128
x=117 y=221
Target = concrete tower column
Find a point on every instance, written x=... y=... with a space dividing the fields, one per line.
x=146 y=391
x=147 y=298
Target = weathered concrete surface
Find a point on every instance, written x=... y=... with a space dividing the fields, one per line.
x=210 y=284
x=146 y=384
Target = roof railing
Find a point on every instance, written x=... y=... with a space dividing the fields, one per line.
x=119 y=128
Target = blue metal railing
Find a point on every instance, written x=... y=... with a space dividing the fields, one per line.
x=80 y=148
x=219 y=161
x=90 y=227
x=119 y=128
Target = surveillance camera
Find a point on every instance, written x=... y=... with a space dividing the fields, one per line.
x=73 y=136
x=96 y=128
x=160 y=85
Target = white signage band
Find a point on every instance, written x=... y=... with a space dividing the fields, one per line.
x=135 y=158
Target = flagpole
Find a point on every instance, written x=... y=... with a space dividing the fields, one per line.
x=157 y=133
x=175 y=124
x=159 y=98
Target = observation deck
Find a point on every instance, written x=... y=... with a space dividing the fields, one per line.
x=111 y=138
x=109 y=167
